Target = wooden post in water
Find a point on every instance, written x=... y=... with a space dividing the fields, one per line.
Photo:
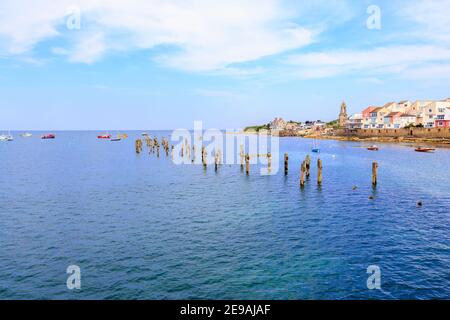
x=138 y=146
x=269 y=162
x=204 y=155
x=247 y=164
x=308 y=166
x=302 y=174
x=319 y=172
x=286 y=164
x=216 y=160
x=374 y=173
x=242 y=156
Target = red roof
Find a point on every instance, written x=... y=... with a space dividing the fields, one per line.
x=392 y=114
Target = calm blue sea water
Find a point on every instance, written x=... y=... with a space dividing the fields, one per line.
x=140 y=227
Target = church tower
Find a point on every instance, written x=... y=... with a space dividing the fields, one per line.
x=343 y=117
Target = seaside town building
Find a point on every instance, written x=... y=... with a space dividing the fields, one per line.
x=343 y=117
x=355 y=121
x=443 y=118
x=319 y=125
x=393 y=115
x=291 y=125
x=406 y=120
x=392 y=120
x=277 y=124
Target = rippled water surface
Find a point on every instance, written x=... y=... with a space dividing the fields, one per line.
x=141 y=227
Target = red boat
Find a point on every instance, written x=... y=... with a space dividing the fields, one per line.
x=48 y=136
x=420 y=149
x=104 y=136
x=373 y=148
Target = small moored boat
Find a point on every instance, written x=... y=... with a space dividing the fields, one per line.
x=373 y=148
x=421 y=149
x=48 y=136
x=315 y=147
x=104 y=136
x=26 y=135
x=6 y=137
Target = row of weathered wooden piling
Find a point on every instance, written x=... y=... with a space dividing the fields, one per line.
x=305 y=168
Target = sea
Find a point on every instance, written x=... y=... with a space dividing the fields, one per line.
x=139 y=226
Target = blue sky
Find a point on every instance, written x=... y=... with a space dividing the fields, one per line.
x=163 y=64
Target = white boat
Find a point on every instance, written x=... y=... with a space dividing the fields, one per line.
x=26 y=135
x=6 y=137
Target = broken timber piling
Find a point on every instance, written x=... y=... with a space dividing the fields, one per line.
x=308 y=166
x=247 y=164
x=319 y=172
x=302 y=174
x=374 y=173
x=286 y=164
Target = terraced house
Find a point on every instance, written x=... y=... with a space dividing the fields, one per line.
x=443 y=118
x=396 y=115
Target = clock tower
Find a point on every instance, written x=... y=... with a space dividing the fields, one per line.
x=343 y=117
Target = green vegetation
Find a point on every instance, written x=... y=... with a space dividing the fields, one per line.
x=333 y=124
x=256 y=128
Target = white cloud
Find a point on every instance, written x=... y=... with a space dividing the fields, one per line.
x=378 y=61
x=206 y=35
x=25 y=23
x=426 y=22
x=430 y=19
x=429 y=72
x=89 y=48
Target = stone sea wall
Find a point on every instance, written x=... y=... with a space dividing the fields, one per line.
x=427 y=133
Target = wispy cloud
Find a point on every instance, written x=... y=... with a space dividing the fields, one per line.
x=424 y=21
x=222 y=37
x=430 y=18
x=207 y=35
x=383 y=60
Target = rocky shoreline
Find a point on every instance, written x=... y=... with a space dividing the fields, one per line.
x=438 y=142
x=443 y=142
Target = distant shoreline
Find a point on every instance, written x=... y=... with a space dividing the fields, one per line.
x=443 y=142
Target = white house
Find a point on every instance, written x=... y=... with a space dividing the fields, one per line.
x=355 y=121
x=405 y=120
